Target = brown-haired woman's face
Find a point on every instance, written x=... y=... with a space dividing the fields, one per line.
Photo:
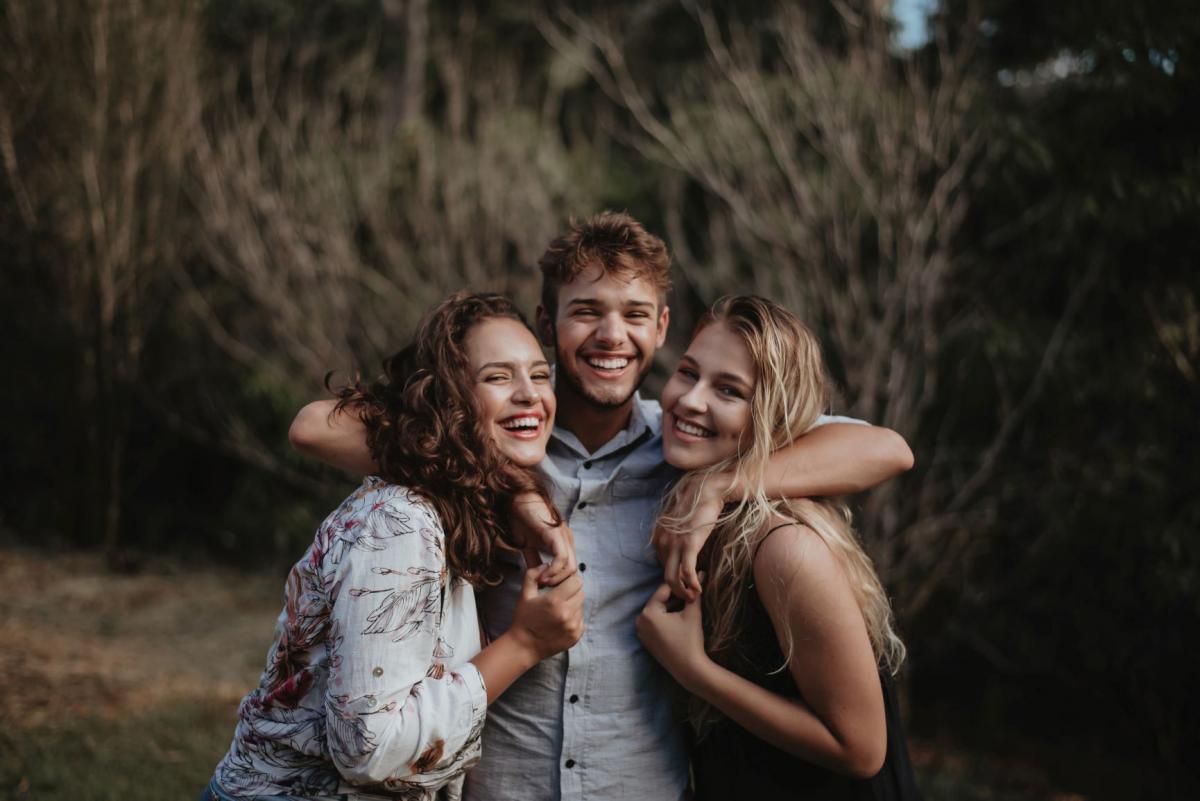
x=511 y=380
x=706 y=402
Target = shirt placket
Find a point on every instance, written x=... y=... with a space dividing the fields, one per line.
x=573 y=765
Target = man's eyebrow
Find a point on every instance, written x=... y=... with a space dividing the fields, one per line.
x=596 y=302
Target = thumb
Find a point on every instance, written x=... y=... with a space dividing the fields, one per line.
x=658 y=601
x=529 y=585
x=532 y=557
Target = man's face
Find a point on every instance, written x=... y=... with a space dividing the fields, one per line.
x=605 y=333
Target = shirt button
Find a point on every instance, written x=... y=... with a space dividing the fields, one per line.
x=570 y=763
x=377 y=672
x=574 y=699
x=582 y=567
x=587 y=465
x=582 y=505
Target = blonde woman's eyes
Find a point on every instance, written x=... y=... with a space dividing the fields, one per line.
x=540 y=376
x=731 y=392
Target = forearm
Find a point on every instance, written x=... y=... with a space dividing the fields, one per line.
x=336 y=438
x=836 y=459
x=503 y=662
x=786 y=723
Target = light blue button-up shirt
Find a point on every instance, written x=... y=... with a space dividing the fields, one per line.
x=595 y=723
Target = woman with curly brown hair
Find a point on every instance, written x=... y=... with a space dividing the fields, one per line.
x=375 y=686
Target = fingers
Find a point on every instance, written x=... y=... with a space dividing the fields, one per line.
x=563 y=563
x=529 y=585
x=671 y=569
x=692 y=611
x=689 y=582
x=658 y=601
x=567 y=590
x=532 y=559
x=661 y=538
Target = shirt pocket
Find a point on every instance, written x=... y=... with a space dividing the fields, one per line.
x=637 y=502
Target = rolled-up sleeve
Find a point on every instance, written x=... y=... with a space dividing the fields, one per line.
x=396 y=714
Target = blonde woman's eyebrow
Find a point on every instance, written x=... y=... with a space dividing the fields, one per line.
x=732 y=378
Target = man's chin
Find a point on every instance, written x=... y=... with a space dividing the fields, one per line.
x=600 y=394
x=607 y=400
x=606 y=397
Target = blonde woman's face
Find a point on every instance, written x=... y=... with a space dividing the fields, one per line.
x=706 y=402
x=512 y=383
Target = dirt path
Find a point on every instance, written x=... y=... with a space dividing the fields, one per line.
x=78 y=640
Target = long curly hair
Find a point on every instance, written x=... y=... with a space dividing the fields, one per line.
x=426 y=432
x=791 y=392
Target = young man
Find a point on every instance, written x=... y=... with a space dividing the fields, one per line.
x=596 y=723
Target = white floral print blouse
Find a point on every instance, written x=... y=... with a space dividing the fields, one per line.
x=367 y=693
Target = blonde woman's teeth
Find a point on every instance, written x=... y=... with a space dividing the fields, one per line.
x=695 y=431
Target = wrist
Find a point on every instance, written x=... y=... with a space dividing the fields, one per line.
x=718 y=488
x=696 y=675
x=522 y=645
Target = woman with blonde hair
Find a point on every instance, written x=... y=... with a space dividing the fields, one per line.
x=789 y=650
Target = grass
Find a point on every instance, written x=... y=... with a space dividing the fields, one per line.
x=161 y=755
x=125 y=687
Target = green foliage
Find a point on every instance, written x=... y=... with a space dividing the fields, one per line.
x=170 y=753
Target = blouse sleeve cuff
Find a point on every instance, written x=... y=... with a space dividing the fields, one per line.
x=476 y=689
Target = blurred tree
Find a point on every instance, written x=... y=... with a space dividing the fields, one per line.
x=1083 y=592
x=92 y=149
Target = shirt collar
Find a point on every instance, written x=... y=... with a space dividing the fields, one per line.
x=643 y=423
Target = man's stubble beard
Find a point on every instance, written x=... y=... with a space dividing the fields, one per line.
x=583 y=394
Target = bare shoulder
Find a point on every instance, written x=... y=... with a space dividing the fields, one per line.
x=795 y=567
x=790 y=549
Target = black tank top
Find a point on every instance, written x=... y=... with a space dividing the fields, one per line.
x=731 y=763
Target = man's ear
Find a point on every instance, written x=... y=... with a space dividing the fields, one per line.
x=545 y=326
x=664 y=318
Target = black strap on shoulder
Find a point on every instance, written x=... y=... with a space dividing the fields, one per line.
x=770 y=531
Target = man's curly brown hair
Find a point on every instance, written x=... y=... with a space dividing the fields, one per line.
x=425 y=431
x=612 y=241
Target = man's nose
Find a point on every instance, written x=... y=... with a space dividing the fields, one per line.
x=611 y=330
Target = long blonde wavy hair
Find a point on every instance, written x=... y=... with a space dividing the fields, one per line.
x=791 y=391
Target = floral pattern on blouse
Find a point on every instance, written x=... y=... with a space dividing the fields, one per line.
x=367 y=692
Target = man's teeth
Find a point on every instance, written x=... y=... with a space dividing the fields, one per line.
x=520 y=422
x=695 y=431
x=609 y=364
